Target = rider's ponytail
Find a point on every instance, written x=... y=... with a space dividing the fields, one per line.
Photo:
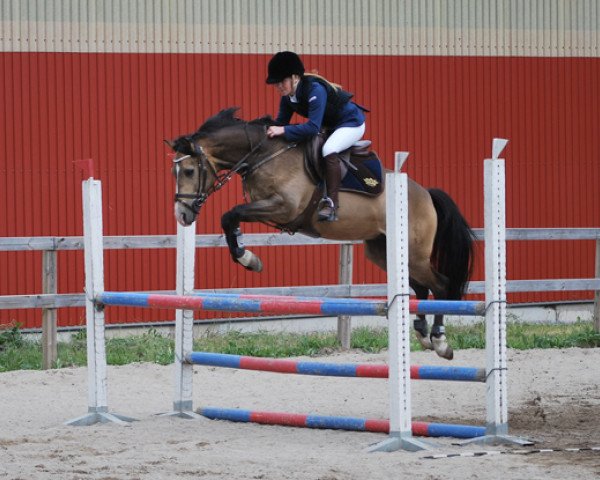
x=337 y=87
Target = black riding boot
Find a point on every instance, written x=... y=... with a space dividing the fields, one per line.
x=333 y=180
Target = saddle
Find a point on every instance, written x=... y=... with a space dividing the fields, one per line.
x=362 y=171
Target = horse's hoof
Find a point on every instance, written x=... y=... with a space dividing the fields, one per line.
x=442 y=348
x=250 y=262
x=256 y=265
x=425 y=341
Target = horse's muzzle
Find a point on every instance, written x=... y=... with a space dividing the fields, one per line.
x=186 y=214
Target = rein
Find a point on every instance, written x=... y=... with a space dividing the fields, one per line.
x=256 y=166
x=221 y=180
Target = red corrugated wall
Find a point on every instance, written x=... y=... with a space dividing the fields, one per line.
x=118 y=108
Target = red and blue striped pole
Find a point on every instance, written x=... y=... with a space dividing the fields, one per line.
x=422 y=429
x=276 y=304
x=365 y=370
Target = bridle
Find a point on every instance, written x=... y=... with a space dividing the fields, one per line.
x=204 y=165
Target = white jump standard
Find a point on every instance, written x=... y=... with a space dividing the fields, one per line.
x=94 y=283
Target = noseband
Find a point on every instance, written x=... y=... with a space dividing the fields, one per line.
x=200 y=197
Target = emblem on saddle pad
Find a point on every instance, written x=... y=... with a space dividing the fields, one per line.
x=371 y=182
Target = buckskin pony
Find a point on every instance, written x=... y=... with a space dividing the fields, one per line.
x=280 y=192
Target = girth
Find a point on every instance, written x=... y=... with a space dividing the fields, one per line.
x=303 y=222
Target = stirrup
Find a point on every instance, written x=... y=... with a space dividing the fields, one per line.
x=327 y=212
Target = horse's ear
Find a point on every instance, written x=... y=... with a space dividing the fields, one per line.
x=191 y=143
x=170 y=143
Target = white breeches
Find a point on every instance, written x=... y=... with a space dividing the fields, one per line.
x=343 y=138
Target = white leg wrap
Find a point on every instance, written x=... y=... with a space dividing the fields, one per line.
x=424 y=341
x=246 y=258
x=441 y=347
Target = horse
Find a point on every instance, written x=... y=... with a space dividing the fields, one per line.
x=279 y=192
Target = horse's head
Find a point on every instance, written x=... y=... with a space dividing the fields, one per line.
x=195 y=176
x=222 y=142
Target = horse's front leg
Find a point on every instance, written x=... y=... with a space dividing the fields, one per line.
x=230 y=222
x=262 y=210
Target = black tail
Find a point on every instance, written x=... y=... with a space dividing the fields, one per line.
x=453 y=245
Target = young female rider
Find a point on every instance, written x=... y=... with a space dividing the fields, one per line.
x=324 y=105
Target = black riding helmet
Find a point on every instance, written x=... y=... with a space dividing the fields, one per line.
x=283 y=65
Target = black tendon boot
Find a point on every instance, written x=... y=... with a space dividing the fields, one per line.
x=333 y=180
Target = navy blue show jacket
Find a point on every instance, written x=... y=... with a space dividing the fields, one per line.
x=323 y=106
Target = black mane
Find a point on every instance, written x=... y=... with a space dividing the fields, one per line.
x=225 y=118
x=266 y=120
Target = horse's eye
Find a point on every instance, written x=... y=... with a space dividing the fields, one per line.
x=188 y=172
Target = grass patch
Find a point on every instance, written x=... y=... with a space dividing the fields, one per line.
x=148 y=347
x=580 y=334
x=19 y=353
x=525 y=336
x=10 y=335
x=265 y=344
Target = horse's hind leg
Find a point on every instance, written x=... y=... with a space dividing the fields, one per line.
x=421 y=274
x=420 y=323
x=438 y=338
x=438 y=331
x=375 y=251
x=424 y=274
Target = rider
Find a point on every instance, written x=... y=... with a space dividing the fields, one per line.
x=325 y=105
